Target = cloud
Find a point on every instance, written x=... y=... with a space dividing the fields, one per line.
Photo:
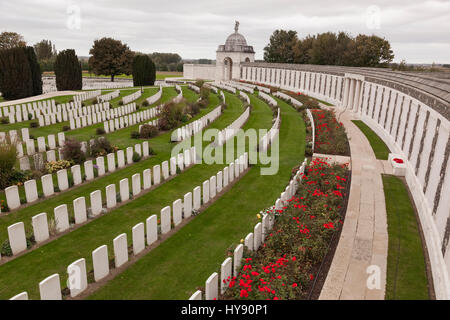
x=417 y=30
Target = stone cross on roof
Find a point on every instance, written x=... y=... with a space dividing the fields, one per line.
x=236 y=27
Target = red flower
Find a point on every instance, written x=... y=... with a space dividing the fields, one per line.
x=398 y=160
x=294 y=285
x=244 y=293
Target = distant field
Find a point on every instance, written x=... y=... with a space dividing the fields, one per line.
x=159 y=75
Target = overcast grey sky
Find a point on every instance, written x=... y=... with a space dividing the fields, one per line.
x=419 y=31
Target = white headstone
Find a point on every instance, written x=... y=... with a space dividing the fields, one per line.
x=187 y=205
x=50 y=288
x=205 y=191
x=111 y=198
x=79 y=208
x=225 y=274
x=156 y=174
x=165 y=220
x=63 y=182
x=76 y=174
x=61 y=218
x=138 y=233
x=96 y=202
x=12 y=197
x=152 y=229
x=31 y=191
x=17 y=238
x=40 y=227
x=237 y=257
x=100 y=262
x=147 y=178
x=47 y=185
x=120 y=250
x=77 y=281
x=197 y=198
x=136 y=184
x=211 y=287
x=177 y=212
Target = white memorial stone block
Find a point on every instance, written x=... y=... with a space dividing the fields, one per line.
x=124 y=190
x=96 y=202
x=100 y=163
x=120 y=159
x=226 y=176
x=31 y=193
x=231 y=172
x=177 y=212
x=147 y=179
x=187 y=205
x=173 y=166
x=47 y=185
x=12 y=197
x=249 y=241
x=237 y=257
x=41 y=144
x=77 y=281
x=225 y=274
x=138 y=233
x=129 y=155
x=196 y=296
x=17 y=238
x=61 y=218
x=205 y=191
x=100 y=262
x=79 y=208
x=40 y=227
x=165 y=170
x=63 y=182
x=165 y=220
x=89 y=170
x=211 y=287
x=257 y=236
x=20 y=296
x=76 y=174
x=152 y=229
x=136 y=184
x=111 y=198
x=50 y=288
x=212 y=187
x=156 y=174
x=120 y=250
x=111 y=162
x=197 y=198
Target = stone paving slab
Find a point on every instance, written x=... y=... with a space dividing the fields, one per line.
x=364 y=239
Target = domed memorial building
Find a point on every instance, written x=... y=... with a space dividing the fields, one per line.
x=229 y=58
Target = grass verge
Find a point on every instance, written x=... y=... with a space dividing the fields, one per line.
x=380 y=149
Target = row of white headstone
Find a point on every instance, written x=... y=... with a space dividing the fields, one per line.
x=224 y=87
x=131 y=119
x=271 y=101
x=124 y=157
x=108 y=96
x=50 y=288
x=239 y=86
x=288 y=98
x=213 y=89
x=94 y=118
x=313 y=129
x=253 y=241
x=155 y=98
x=87 y=95
x=94 y=108
x=178 y=98
x=143 y=234
x=268 y=138
x=196 y=126
x=244 y=96
x=41 y=144
x=131 y=97
x=194 y=88
x=231 y=130
x=252 y=87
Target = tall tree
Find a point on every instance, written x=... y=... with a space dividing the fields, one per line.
x=165 y=61
x=323 y=50
x=44 y=50
x=15 y=74
x=280 y=47
x=110 y=57
x=36 y=74
x=10 y=40
x=68 y=71
x=144 y=72
x=372 y=51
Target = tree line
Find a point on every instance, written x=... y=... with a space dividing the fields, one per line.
x=21 y=66
x=328 y=48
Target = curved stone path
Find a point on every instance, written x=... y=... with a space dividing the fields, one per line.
x=364 y=238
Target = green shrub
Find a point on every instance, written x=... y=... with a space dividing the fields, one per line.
x=65 y=128
x=68 y=71
x=30 y=116
x=72 y=150
x=121 y=103
x=171 y=115
x=136 y=157
x=100 y=131
x=34 y=124
x=145 y=103
x=101 y=147
x=204 y=93
x=4 y=121
x=135 y=135
x=148 y=131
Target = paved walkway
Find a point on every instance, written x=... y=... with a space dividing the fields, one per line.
x=39 y=97
x=364 y=238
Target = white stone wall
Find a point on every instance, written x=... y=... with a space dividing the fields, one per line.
x=199 y=71
x=409 y=127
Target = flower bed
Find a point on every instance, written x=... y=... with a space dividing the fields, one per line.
x=286 y=264
x=330 y=134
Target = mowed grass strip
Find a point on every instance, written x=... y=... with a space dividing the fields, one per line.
x=380 y=149
x=406 y=271
x=25 y=272
x=161 y=145
x=183 y=262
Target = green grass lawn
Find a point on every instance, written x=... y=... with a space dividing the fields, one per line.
x=380 y=149
x=406 y=271
x=161 y=145
x=183 y=262
x=55 y=256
